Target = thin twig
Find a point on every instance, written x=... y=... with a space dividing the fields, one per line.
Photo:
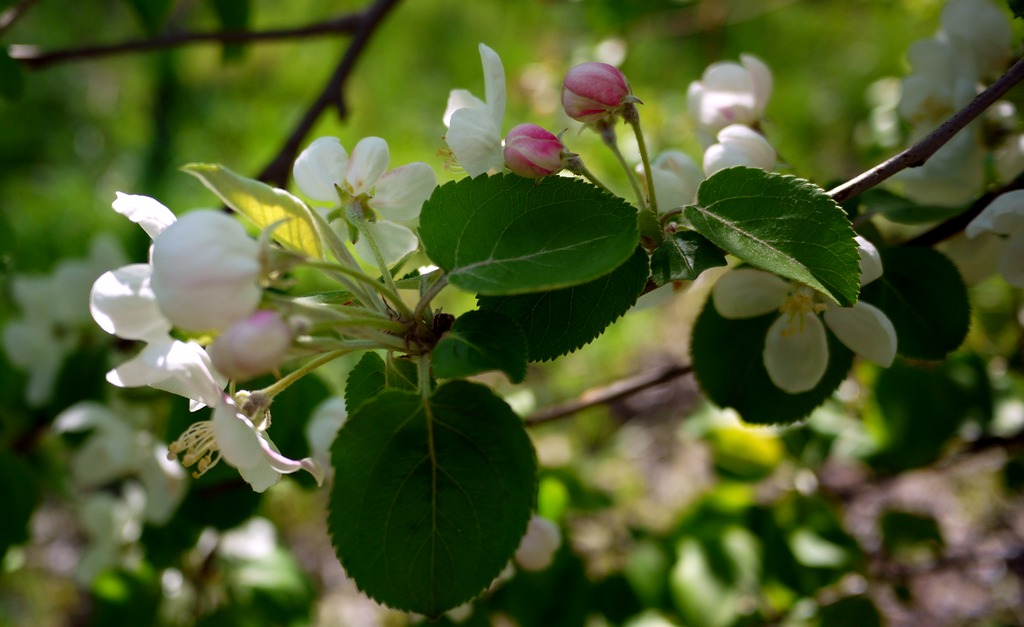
x=277 y=171
x=920 y=152
x=957 y=223
x=34 y=59
x=609 y=393
x=13 y=14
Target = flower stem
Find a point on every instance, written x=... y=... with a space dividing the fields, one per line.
x=607 y=133
x=423 y=376
x=282 y=384
x=634 y=121
x=355 y=216
x=345 y=259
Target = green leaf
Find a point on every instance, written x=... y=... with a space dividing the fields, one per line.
x=923 y=295
x=561 y=321
x=264 y=205
x=712 y=574
x=20 y=495
x=855 y=611
x=151 y=13
x=781 y=224
x=12 y=76
x=1017 y=6
x=480 y=341
x=728 y=363
x=905 y=534
x=431 y=496
x=505 y=234
x=372 y=375
x=234 y=16
x=683 y=256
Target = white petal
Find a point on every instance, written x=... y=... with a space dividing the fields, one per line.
x=181 y=368
x=1011 y=262
x=738 y=145
x=796 y=353
x=476 y=141
x=123 y=304
x=148 y=213
x=676 y=178
x=494 y=84
x=394 y=241
x=977 y=258
x=1003 y=215
x=865 y=330
x=746 y=293
x=36 y=348
x=870 y=261
x=761 y=76
x=460 y=99
x=164 y=482
x=369 y=161
x=320 y=167
x=400 y=193
x=537 y=548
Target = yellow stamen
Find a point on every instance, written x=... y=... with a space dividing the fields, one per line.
x=199 y=444
x=800 y=302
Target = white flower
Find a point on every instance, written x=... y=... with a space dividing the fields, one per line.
x=253 y=346
x=954 y=176
x=474 y=126
x=676 y=179
x=538 y=546
x=738 y=145
x=796 y=346
x=324 y=169
x=980 y=31
x=1004 y=216
x=243 y=445
x=112 y=524
x=323 y=426
x=730 y=93
x=942 y=82
x=206 y=270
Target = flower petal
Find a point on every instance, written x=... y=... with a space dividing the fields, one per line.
x=123 y=304
x=393 y=240
x=494 y=84
x=1003 y=215
x=400 y=193
x=460 y=99
x=320 y=167
x=369 y=161
x=747 y=293
x=1011 y=262
x=865 y=330
x=796 y=355
x=147 y=212
x=181 y=368
x=476 y=141
x=870 y=261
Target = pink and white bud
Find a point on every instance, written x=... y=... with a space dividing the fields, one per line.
x=537 y=548
x=594 y=91
x=533 y=152
x=738 y=145
x=251 y=347
x=205 y=271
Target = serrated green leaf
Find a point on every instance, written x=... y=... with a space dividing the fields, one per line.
x=372 y=375
x=505 y=234
x=431 y=496
x=12 y=77
x=561 y=321
x=923 y=295
x=683 y=256
x=727 y=357
x=264 y=205
x=480 y=341
x=781 y=224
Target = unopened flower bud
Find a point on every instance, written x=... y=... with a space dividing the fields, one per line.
x=738 y=145
x=251 y=347
x=594 y=91
x=205 y=271
x=537 y=548
x=533 y=152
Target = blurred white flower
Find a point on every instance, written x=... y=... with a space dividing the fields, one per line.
x=1004 y=216
x=676 y=179
x=474 y=125
x=730 y=93
x=323 y=426
x=738 y=145
x=981 y=31
x=112 y=524
x=538 y=547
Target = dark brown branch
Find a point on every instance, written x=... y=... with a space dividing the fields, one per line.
x=31 y=58
x=609 y=393
x=277 y=171
x=954 y=225
x=920 y=152
x=13 y=14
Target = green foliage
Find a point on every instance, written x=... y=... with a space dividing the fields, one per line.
x=151 y=13
x=560 y=321
x=431 y=495
x=683 y=256
x=372 y=375
x=728 y=363
x=781 y=224
x=233 y=15
x=902 y=210
x=20 y=495
x=123 y=597
x=1017 y=6
x=923 y=295
x=906 y=532
x=505 y=234
x=855 y=611
x=12 y=77
x=480 y=341
x=712 y=573
x=294 y=227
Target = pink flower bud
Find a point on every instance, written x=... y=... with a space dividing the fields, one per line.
x=592 y=91
x=252 y=346
x=532 y=152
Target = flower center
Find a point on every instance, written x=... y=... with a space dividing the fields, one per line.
x=800 y=302
x=199 y=444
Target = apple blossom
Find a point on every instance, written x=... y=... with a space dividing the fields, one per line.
x=324 y=168
x=537 y=548
x=676 y=179
x=593 y=91
x=980 y=31
x=730 y=93
x=738 y=145
x=242 y=444
x=796 y=346
x=206 y=271
x=533 y=152
x=474 y=125
x=252 y=346
x=1004 y=216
